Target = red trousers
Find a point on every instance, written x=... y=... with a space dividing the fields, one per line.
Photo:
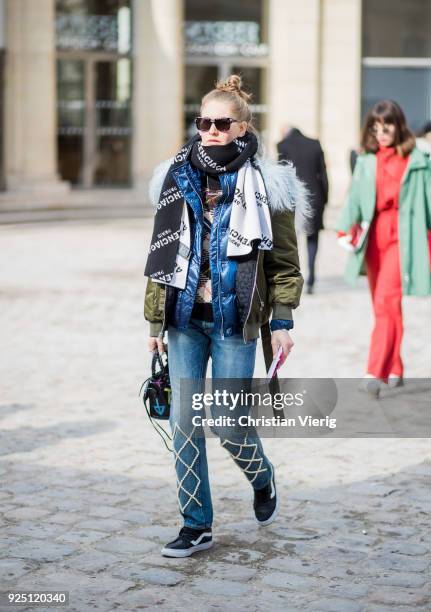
x=384 y=276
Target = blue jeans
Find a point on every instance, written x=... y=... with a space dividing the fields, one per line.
x=189 y=351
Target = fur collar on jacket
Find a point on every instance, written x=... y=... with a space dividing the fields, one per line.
x=285 y=190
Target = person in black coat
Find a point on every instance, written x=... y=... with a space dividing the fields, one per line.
x=308 y=158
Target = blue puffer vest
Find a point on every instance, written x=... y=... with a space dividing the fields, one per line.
x=223 y=270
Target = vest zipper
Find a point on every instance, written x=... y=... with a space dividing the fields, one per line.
x=218 y=267
x=202 y=209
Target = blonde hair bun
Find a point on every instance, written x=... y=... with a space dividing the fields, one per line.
x=233 y=84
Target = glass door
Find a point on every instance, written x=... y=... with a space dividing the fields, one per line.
x=112 y=137
x=94 y=121
x=71 y=120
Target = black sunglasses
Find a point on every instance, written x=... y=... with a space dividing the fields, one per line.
x=385 y=129
x=222 y=125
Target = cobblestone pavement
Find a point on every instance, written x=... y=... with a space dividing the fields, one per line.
x=87 y=492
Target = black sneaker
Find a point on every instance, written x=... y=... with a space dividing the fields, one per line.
x=188 y=542
x=266 y=502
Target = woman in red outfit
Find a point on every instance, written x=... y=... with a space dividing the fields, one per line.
x=388 y=146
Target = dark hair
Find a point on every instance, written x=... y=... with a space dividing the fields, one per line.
x=387 y=111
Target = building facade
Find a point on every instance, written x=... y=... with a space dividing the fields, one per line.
x=97 y=92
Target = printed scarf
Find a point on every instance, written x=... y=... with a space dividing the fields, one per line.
x=250 y=223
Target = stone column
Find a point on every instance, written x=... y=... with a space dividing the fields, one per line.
x=158 y=84
x=2 y=11
x=294 y=67
x=341 y=89
x=30 y=105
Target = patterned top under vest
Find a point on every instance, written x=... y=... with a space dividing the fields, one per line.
x=202 y=308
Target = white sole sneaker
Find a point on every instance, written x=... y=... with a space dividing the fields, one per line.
x=273 y=516
x=178 y=553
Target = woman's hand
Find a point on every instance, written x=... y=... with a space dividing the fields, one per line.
x=345 y=241
x=154 y=342
x=281 y=337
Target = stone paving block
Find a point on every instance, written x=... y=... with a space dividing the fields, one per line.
x=71 y=505
x=84 y=591
x=22 y=487
x=9 y=508
x=382 y=608
x=120 y=489
x=243 y=556
x=83 y=537
x=103 y=512
x=343 y=554
x=39 y=550
x=295 y=534
x=26 y=514
x=399 y=596
x=293 y=582
x=360 y=542
x=163 y=577
x=211 y=586
x=133 y=516
x=146 y=597
x=410 y=549
x=109 y=525
x=293 y=566
x=91 y=561
x=125 y=545
x=39 y=500
x=11 y=569
x=66 y=518
x=229 y=571
x=372 y=488
x=156 y=532
x=32 y=529
x=402 y=579
x=346 y=590
x=394 y=562
x=334 y=605
x=155 y=558
x=399 y=531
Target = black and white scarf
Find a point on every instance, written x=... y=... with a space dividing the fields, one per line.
x=169 y=254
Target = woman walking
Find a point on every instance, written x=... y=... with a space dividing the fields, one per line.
x=223 y=256
x=390 y=196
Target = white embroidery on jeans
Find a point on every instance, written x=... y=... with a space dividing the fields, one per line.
x=189 y=470
x=247 y=469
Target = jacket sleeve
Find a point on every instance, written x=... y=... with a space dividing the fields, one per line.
x=323 y=177
x=351 y=212
x=154 y=306
x=281 y=266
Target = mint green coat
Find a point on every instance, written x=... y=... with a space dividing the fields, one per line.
x=414 y=219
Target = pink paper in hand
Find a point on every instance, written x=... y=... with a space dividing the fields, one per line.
x=275 y=364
